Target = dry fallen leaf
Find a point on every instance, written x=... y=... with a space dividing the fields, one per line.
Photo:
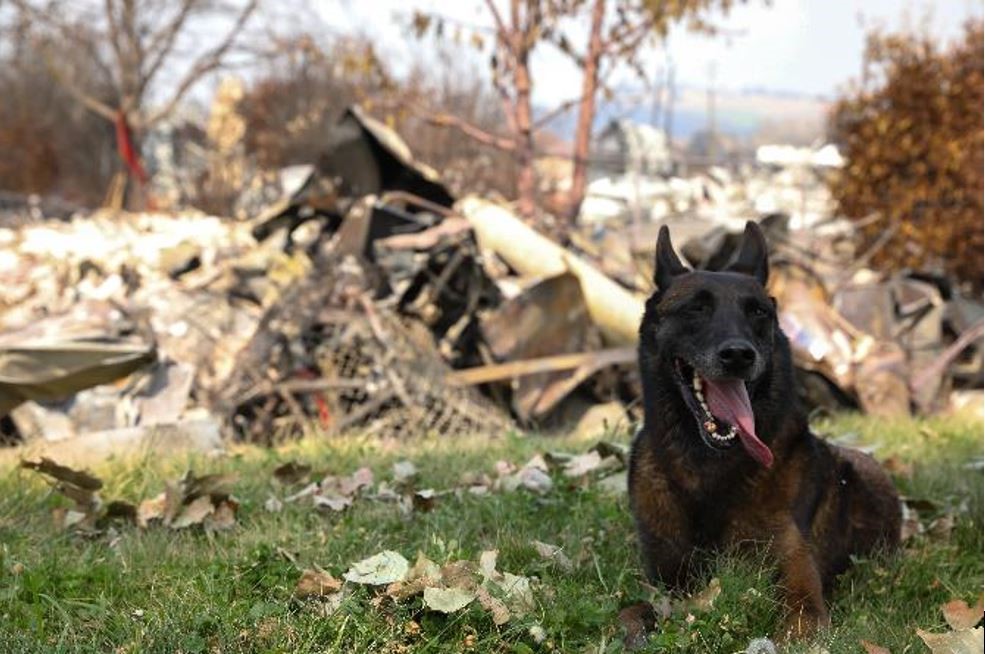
x=118 y=509
x=150 y=510
x=331 y=502
x=941 y=527
x=959 y=615
x=616 y=484
x=423 y=567
x=965 y=641
x=553 y=553
x=291 y=472
x=459 y=574
x=898 y=467
x=361 y=478
x=487 y=565
x=224 y=516
x=273 y=505
x=447 y=600
x=307 y=491
x=68 y=518
x=767 y=646
x=500 y=614
x=401 y=590
x=68 y=475
x=534 y=479
x=910 y=525
x=194 y=513
x=704 y=600
x=637 y=621
x=504 y=468
x=608 y=448
x=80 y=487
x=872 y=648
x=519 y=596
x=404 y=472
x=583 y=464
x=380 y=569
x=316 y=583
x=424 y=500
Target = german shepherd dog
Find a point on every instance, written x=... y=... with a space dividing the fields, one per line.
x=725 y=456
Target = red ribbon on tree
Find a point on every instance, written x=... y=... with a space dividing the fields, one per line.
x=124 y=145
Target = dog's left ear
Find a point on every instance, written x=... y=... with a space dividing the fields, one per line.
x=752 y=258
x=667 y=265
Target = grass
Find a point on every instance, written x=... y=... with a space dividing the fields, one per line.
x=164 y=591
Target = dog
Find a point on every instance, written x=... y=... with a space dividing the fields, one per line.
x=725 y=456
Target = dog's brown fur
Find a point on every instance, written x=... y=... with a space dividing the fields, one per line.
x=816 y=506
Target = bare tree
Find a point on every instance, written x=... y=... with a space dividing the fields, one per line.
x=146 y=51
x=619 y=32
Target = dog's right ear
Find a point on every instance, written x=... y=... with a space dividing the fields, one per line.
x=667 y=265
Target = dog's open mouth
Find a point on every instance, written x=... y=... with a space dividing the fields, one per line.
x=723 y=412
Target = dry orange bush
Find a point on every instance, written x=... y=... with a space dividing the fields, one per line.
x=911 y=131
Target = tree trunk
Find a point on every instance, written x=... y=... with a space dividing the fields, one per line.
x=586 y=113
x=526 y=181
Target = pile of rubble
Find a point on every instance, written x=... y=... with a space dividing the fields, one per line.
x=359 y=294
x=782 y=179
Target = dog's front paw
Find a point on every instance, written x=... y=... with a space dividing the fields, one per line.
x=804 y=623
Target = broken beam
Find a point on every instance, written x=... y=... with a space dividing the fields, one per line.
x=511 y=369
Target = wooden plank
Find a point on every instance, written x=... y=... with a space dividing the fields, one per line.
x=511 y=369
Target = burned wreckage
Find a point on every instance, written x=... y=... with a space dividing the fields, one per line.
x=359 y=294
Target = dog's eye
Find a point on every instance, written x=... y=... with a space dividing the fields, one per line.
x=758 y=311
x=697 y=308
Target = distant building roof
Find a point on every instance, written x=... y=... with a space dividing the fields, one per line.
x=628 y=147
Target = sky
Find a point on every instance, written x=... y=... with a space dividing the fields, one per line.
x=809 y=47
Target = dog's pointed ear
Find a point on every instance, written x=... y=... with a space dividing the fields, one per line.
x=753 y=256
x=667 y=265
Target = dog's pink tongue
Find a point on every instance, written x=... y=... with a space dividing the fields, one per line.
x=729 y=401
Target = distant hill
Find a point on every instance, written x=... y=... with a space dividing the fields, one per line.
x=756 y=115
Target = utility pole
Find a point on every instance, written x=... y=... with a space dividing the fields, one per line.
x=671 y=99
x=659 y=83
x=712 y=126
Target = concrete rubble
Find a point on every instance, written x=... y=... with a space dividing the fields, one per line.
x=358 y=294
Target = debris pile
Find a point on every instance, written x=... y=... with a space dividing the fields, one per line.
x=357 y=293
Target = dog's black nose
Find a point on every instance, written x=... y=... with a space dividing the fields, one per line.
x=737 y=356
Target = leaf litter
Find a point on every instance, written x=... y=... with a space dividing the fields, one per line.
x=189 y=501
x=446 y=588
x=966 y=637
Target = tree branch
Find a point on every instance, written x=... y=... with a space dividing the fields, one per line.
x=501 y=30
x=163 y=43
x=559 y=110
x=115 y=42
x=89 y=102
x=472 y=131
x=205 y=64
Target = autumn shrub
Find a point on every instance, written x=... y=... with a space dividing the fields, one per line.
x=51 y=144
x=911 y=132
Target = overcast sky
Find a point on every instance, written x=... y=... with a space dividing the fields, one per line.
x=800 y=46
